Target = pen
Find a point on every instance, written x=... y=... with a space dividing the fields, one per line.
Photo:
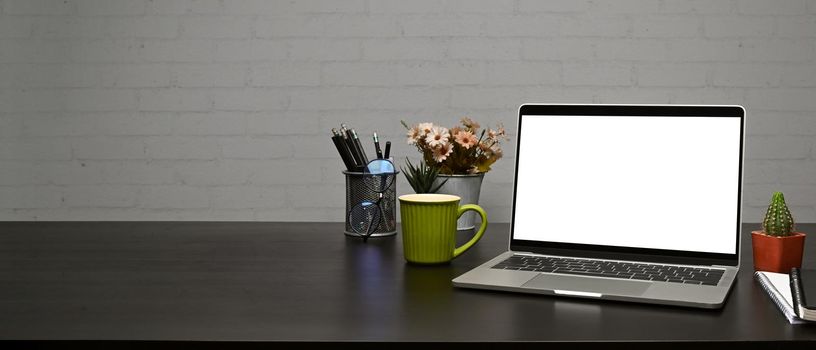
x=387 y=149
x=377 y=146
x=360 y=150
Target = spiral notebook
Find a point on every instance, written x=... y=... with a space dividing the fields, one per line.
x=803 y=288
x=777 y=285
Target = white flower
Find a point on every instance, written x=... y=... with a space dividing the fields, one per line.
x=442 y=152
x=492 y=134
x=470 y=124
x=437 y=137
x=425 y=128
x=466 y=139
x=413 y=135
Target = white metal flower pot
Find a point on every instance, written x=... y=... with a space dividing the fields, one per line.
x=467 y=187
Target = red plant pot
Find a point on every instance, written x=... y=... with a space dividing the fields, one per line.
x=777 y=254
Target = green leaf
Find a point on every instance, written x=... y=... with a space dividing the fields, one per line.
x=435 y=189
x=421 y=177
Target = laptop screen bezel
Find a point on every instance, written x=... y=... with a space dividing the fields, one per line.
x=630 y=253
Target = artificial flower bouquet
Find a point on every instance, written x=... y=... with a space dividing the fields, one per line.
x=464 y=149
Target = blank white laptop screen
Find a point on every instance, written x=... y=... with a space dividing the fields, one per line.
x=645 y=182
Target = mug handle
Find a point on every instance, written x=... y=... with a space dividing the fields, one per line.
x=479 y=234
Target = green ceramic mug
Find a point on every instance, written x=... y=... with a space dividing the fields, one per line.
x=429 y=227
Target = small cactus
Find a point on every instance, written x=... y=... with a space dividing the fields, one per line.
x=778 y=219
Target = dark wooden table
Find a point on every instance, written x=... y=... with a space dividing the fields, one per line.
x=301 y=282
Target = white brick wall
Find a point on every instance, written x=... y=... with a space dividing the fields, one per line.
x=221 y=109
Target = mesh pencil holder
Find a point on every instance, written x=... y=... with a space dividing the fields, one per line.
x=358 y=191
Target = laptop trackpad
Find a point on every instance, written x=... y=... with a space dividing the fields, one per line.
x=585 y=284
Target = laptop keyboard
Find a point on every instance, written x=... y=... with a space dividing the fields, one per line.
x=613 y=269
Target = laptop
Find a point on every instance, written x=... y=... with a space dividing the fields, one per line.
x=634 y=203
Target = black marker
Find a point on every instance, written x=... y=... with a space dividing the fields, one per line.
x=346 y=133
x=348 y=160
x=377 y=146
x=359 y=146
x=387 y=149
